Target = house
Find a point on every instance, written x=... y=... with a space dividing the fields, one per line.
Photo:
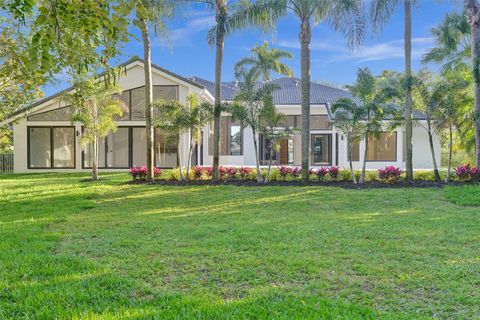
x=46 y=140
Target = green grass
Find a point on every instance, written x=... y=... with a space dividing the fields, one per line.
x=108 y=250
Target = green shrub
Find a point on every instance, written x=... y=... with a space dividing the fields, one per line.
x=371 y=175
x=427 y=175
x=345 y=175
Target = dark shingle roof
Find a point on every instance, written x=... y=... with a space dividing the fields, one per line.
x=288 y=92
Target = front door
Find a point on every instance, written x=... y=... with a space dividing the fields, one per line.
x=321 y=149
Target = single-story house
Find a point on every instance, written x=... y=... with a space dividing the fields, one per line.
x=45 y=139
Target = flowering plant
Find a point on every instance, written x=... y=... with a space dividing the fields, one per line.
x=390 y=174
x=467 y=173
x=321 y=173
x=333 y=171
x=475 y=174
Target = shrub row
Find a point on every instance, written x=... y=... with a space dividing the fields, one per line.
x=389 y=174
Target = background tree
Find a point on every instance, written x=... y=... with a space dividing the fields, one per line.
x=249 y=107
x=345 y=16
x=263 y=62
x=229 y=17
x=274 y=129
x=177 y=118
x=380 y=13
x=95 y=107
x=472 y=8
x=375 y=106
x=429 y=95
x=349 y=120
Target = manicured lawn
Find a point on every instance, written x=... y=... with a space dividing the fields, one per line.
x=108 y=250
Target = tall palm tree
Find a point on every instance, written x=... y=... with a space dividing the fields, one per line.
x=154 y=12
x=229 y=17
x=472 y=8
x=263 y=62
x=380 y=12
x=345 y=16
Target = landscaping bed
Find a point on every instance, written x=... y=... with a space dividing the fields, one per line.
x=339 y=184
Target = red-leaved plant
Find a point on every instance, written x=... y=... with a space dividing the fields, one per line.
x=296 y=172
x=389 y=174
x=333 y=171
x=466 y=173
x=245 y=172
x=197 y=172
x=231 y=172
x=141 y=172
x=322 y=173
x=284 y=171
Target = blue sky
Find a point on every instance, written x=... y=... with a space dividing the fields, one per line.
x=186 y=51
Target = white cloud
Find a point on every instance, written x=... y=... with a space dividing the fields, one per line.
x=375 y=52
x=197 y=21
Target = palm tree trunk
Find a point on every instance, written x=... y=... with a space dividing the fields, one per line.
x=180 y=164
x=267 y=177
x=95 y=159
x=189 y=160
x=432 y=150
x=148 y=97
x=408 y=90
x=450 y=152
x=220 y=41
x=364 y=165
x=350 y=160
x=473 y=13
x=305 y=38
x=257 y=157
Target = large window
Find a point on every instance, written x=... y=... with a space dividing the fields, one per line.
x=231 y=142
x=355 y=151
x=317 y=122
x=127 y=148
x=382 y=147
x=51 y=147
x=136 y=99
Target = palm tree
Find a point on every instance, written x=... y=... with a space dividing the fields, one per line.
x=380 y=12
x=229 y=17
x=345 y=16
x=150 y=11
x=372 y=106
x=458 y=47
x=473 y=15
x=263 y=62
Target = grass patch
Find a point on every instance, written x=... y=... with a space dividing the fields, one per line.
x=108 y=250
x=468 y=195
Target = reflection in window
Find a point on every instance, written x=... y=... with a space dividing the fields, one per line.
x=355 y=152
x=139 y=142
x=166 y=149
x=382 y=147
x=64 y=147
x=230 y=137
x=117 y=149
x=40 y=148
x=88 y=154
x=124 y=98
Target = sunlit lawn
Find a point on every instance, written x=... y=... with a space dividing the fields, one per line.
x=108 y=250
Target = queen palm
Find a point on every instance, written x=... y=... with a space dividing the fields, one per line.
x=345 y=16
x=381 y=11
x=263 y=61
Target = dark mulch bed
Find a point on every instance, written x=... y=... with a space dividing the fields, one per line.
x=338 y=184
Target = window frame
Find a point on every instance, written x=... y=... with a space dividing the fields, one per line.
x=29 y=118
x=52 y=162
